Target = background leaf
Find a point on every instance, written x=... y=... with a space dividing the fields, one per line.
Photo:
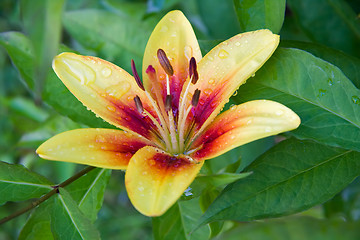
x=68 y=222
x=291 y=177
x=88 y=191
x=296 y=228
x=38 y=226
x=18 y=184
x=117 y=43
x=260 y=14
x=330 y=22
x=326 y=101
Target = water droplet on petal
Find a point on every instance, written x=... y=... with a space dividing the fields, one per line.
x=100 y=139
x=213 y=104
x=141 y=189
x=106 y=72
x=210 y=58
x=188 y=51
x=80 y=71
x=279 y=112
x=233 y=107
x=223 y=54
x=268 y=129
x=235 y=93
x=253 y=75
x=211 y=81
x=237 y=44
x=207 y=91
x=118 y=90
x=164 y=28
x=249 y=122
x=111 y=108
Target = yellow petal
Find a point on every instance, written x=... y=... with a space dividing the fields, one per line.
x=243 y=124
x=105 y=148
x=226 y=67
x=104 y=88
x=175 y=36
x=155 y=180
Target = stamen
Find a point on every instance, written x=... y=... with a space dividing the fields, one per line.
x=138 y=104
x=136 y=75
x=195 y=98
x=164 y=62
x=193 y=74
x=168 y=103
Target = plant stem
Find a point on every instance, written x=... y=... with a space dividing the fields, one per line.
x=47 y=196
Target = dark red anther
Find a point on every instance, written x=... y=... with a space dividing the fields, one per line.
x=136 y=75
x=164 y=62
x=193 y=71
x=138 y=104
x=168 y=103
x=195 y=98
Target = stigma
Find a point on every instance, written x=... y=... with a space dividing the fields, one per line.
x=171 y=126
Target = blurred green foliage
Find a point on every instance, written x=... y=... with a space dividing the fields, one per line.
x=315 y=36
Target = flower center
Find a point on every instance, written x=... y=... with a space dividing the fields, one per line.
x=172 y=125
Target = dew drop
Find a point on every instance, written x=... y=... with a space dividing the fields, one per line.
x=223 y=54
x=211 y=81
x=118 y=90
x=210 y=58
x=164 y=28
x=207 y=91
x=330 y=82
x=355 y=99
x=279 y=112
x=268 y=129
x=106 y=72
x=322 y=92
x=100 y=139
x=235 y=93
x=237 y=44
x=253 y=75
x=213 y=104
x=249 y=122
x=91 y=146
x=111 y=108
x=188 y=51
x=80 y=71
x=141 y=189
x=232 y=107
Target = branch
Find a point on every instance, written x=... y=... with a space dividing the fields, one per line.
x=48 y=195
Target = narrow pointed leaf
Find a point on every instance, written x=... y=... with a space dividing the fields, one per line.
x=18 y=183
x=291 y=177
x=88 y=191
x=67 y=220
x=327 y=102
x=20 y=50
x=260 y=14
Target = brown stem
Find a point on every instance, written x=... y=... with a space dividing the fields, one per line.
x=47 y=196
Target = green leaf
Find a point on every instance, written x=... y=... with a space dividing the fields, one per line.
x=349 y=65
x=116 y=38
x=218 y=24
x=326 y=101
x=170 y=225
x=18 y=183
x=42 y=21
x=20 y=50
x=260 y=14
x=330 y=22
x=68 y=222
x=88 y=191
x=295 y=228
x=27 y=108
x=178 y=221
x=291 y=177
x=38 y=227
x=203 y=182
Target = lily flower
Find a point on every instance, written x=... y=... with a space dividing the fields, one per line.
x=170 y=121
